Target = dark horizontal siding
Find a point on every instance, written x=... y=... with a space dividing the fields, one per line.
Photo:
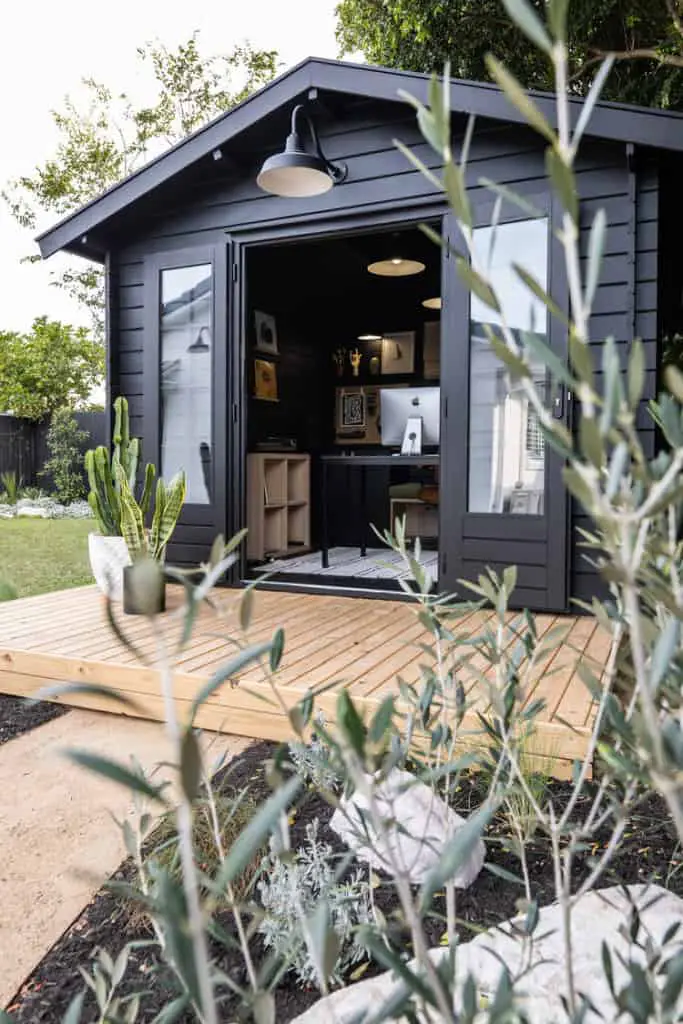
x=616 y=315
x=380 y=179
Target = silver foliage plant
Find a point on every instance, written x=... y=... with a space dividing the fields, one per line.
x=289 y=892
x=636 y=740
x=313 y=762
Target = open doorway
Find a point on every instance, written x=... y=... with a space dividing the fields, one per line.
x=343 y=365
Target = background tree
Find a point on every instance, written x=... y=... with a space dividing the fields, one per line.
x=64 y=468
x=421 y=35
x=108 y=136
x=55 y=365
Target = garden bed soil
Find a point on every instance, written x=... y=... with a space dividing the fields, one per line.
x=649 y=852
x=18 y=715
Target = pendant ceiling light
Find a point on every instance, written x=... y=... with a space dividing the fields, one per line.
x=295 y=173
x=369 y=337
x=396 y=267
x=434 y=303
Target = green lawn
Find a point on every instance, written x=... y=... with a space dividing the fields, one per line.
x=38 y=555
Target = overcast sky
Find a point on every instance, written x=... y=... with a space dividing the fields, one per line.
x=46 y=48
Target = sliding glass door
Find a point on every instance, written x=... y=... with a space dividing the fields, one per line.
x=502 y=497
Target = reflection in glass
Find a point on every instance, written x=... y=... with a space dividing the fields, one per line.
x=506 y=447
x=186 y=441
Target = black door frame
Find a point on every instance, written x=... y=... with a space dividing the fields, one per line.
x=242 y=239
x=551 y=529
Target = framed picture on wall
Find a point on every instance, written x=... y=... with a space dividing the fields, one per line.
x=265 y=381
x=398 y=352
x=351 y=410
x=266 y=333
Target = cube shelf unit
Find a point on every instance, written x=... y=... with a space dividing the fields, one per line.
x=278 y=505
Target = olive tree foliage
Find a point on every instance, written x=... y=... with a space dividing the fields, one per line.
x=108 y=134
x=423 y=35
x=432 y=726
x=50 y=367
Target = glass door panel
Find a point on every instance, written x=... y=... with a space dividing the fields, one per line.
x=506 y=461
x=502 y=500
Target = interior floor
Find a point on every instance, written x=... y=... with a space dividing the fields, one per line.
x=378 y=563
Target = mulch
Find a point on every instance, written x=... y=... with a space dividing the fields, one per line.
x=17 y=715
x=649 y=852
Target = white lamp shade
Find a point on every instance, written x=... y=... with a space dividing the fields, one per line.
x=434 y=303
x=294 y=182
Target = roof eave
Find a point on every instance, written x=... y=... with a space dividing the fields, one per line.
x=613 y=122
x=65 y=233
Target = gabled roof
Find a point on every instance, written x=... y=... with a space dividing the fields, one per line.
x=645 y=126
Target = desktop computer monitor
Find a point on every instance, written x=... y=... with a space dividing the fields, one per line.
x=399 y=405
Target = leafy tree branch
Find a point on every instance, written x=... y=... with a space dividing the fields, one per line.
x=53 y=366
x=109 y=135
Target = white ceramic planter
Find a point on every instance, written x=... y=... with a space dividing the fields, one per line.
x=108 y=557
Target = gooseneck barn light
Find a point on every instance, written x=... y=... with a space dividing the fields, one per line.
x=295 y=173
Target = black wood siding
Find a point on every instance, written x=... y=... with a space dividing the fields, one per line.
x=626 y=307
x=380 y=181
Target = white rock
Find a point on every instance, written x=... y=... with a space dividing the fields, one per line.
x=596 y=918
x=32 y=512
x=426 y=819
x=345 y=1005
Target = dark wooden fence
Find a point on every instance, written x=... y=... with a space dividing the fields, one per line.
x=23 y=445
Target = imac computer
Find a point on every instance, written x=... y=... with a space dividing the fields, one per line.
x=410 y=417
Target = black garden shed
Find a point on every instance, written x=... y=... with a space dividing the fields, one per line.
x=284 y=349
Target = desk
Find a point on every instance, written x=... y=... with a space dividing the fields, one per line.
x=362 y=462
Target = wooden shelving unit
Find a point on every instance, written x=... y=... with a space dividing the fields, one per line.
x=278 y=505
x=422 y=518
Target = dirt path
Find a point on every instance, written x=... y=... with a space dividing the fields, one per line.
x=58 y=840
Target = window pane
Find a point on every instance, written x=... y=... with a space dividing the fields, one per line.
x=186 y=359
x=506 y=448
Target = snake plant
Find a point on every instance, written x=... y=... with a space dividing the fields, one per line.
x=103 y=474
x=141 y=541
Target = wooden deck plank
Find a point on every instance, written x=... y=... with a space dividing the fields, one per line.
x=297 y=629
x=409 y=669
x=552 y=686
x=576 y=706
x=359 y=643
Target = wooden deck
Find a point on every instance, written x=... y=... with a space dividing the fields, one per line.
x=358 y=643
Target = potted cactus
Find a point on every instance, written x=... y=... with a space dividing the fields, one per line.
x=107 y=549
x=144 y=592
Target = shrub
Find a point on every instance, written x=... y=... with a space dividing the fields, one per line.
x=313 y=762
x=11 y=484
x=65 y=465
x=32 y=493
x=211 y=837
x=291 y=890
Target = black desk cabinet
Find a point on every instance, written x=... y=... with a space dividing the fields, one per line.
x=344 y=501
x=354 y=493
